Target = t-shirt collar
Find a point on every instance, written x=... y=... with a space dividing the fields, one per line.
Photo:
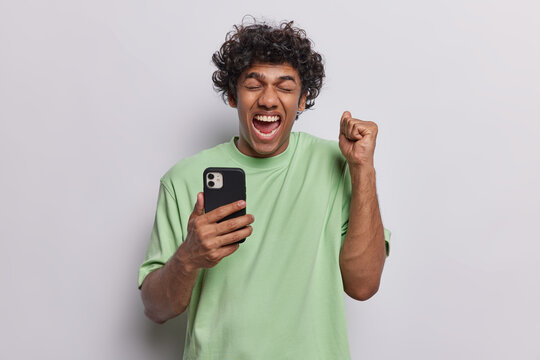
x=280 y=160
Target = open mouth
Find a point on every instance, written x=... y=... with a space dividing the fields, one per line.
x=266 y=126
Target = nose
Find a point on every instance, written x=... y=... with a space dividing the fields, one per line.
x=269 y=98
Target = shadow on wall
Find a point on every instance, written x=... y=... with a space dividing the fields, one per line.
x=154 y=341
x=165 y=341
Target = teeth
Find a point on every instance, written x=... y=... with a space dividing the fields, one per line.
x=267 y=118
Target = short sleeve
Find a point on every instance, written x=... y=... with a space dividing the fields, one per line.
x=346 y=191
x=166 y=233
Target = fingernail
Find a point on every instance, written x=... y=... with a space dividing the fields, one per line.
x=241 y=203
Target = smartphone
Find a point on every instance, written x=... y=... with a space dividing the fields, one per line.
x=223 y=186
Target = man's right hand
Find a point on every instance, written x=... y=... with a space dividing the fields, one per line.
x=208 y=241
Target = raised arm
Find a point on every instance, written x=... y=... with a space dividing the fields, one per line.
x=364 y=251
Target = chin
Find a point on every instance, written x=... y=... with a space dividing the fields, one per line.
x=267 y=149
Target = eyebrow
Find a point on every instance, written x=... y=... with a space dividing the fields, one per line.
x=259 y=76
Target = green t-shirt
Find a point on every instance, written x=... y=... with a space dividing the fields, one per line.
x=280 y=295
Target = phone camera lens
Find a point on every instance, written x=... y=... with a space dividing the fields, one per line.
x=211 y=184
x=210 y=176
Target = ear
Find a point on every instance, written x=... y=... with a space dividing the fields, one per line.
x=231 y=100
x=302 y=102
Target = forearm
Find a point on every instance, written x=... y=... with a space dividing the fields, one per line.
x=166 y=292
x=363 y=253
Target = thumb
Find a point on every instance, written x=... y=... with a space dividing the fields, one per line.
x=199 y=205
x=198 y=210
x=342 y=140
x=342 y=127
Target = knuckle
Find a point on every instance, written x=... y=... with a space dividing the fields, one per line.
x=213 y=257
x=208 y=233
x=197 y=222
x=222 y=212
x=198 y=228
x=206 y=245
x=232 y=224
x=204 y=234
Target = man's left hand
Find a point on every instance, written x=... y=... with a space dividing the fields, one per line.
x=357 y=140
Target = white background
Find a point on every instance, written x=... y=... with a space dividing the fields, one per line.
x=99 y=98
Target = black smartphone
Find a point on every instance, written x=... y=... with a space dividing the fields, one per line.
x=223 y=186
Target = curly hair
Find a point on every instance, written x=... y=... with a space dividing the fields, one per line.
x=259 y=42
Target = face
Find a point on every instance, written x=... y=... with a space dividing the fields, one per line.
x=268 y=97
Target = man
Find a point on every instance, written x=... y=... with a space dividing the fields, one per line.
x=313 y=225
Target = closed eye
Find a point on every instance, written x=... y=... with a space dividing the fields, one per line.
x=286 y=84
x=253 y=87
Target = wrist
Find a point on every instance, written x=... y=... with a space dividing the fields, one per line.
x=182 y=261
x=361 y=171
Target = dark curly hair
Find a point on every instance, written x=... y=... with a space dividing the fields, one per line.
x=259 y=42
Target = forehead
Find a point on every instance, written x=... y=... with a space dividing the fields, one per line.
x=271 y=71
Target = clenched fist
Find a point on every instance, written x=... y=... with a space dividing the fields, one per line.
x=357 y=140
